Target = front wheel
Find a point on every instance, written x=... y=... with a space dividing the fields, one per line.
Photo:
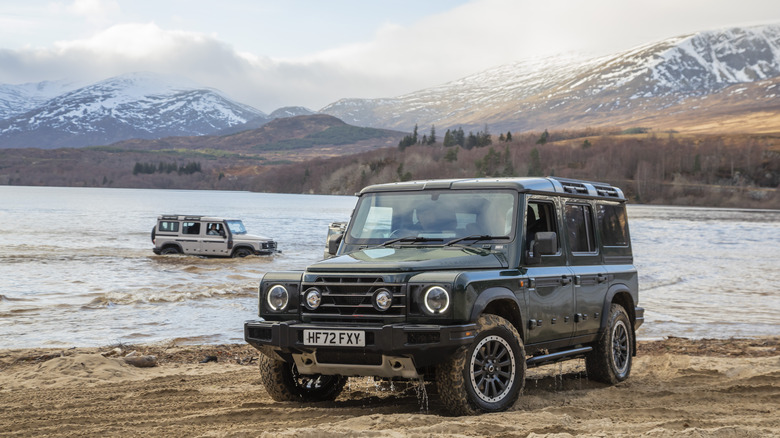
x=283 y=382
x=486 y=376
x=242 y=252
x=610 y=360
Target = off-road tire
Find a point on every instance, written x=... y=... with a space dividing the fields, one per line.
x=170 y=250
x=611 y=358
x=283 y=383
x=486 y=376
x=242 y=252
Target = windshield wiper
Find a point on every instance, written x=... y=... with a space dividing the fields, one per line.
x=410 y=239
x=475 y=238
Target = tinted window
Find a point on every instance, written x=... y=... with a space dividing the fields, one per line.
x=579 y=226
x=191 y=228
x=170 y=227
x=540 y=216
x=613 y=225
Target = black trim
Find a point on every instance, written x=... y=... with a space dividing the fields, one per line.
x=392 y=340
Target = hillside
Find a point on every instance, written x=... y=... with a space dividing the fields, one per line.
x=723 y=81
x=137 y=105
x=690 y=169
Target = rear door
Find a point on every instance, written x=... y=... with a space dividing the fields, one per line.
x=590 y=277
x=190 y=236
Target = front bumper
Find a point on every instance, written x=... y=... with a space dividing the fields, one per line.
x=390 y=350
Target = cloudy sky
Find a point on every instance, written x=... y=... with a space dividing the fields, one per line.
x=273 y=53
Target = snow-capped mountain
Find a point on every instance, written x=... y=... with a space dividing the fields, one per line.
x=686 y=73
x=137 y=105
x=18 y=99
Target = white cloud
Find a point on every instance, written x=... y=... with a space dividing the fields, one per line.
x=397 y=59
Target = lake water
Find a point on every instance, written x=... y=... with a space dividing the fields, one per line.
x=77 y=268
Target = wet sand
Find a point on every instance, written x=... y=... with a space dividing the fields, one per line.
x=678 y=388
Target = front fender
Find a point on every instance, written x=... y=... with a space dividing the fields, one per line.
x=494 y=294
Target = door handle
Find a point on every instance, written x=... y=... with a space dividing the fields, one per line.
x=601 y=278
x=565 y=280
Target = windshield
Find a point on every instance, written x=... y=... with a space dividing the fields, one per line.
x=433 y=216
x=236 y=227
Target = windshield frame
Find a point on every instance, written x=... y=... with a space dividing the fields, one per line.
x=382 y=217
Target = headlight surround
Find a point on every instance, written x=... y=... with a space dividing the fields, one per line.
x=436 y=300
x=312 y=298
x=383 y=300
x=277 y=297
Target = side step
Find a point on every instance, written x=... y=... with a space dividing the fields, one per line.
x=555 y=357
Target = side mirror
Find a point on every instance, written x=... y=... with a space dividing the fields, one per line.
x=334 y=240
x=544 y=243
x=222 y=233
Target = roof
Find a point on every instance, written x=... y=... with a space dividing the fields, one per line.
x=549 y=185
x=189 y=217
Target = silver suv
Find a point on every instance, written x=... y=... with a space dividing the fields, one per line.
x=207 y=236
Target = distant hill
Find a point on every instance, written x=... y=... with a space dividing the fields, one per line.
x=281 y=134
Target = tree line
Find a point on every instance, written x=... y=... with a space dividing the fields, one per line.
x=151 y=168
x=715 y=170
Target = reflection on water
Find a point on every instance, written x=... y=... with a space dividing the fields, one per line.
x=76 y=266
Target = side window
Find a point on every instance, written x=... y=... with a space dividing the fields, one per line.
x=540 y=216
x=191 y=228
x=214 y=229
x=579 y=227
x=169 y=227
x=613 y=225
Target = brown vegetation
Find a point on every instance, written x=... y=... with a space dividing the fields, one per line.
x=737 y=170
x=651 y=168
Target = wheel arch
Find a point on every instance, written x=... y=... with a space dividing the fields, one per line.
x=241 y=246
x=619 y=294
x=172 y=245
x=501 y=302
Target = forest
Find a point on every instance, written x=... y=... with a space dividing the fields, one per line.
x=734 y=170
x=667 y=168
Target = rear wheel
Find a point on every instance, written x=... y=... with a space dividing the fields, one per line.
x=284 y=383
x=610 y=360
x=486 y=376
x=170 y=250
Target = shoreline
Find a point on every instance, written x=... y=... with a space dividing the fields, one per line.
x=678 y=387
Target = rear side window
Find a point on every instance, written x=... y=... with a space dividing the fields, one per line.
x=169 y=227
x=579 y=226
x=613 y=225
x=191 y=228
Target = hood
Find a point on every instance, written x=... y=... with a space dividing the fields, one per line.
x=252 y=237
x=412 y=259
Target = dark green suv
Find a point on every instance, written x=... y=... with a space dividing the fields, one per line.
x=467 y=282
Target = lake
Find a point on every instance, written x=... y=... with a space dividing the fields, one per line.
x=77 y=268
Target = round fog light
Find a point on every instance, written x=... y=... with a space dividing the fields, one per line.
x=383 y=300
x=436 y=299
x=278 y=297
x=312 y=298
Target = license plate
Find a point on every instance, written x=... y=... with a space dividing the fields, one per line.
x=334 y=338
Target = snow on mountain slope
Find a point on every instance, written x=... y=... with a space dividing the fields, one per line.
x=137 y=105
x=561 y=92
x=18 y=99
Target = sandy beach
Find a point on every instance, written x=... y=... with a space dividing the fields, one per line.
x=678 y=388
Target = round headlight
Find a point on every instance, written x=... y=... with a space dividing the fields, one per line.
x=312 y=298
x=436 y=299
x=383 y=299
x=278 y=297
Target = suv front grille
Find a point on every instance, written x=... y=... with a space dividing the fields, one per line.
x=350 y=299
